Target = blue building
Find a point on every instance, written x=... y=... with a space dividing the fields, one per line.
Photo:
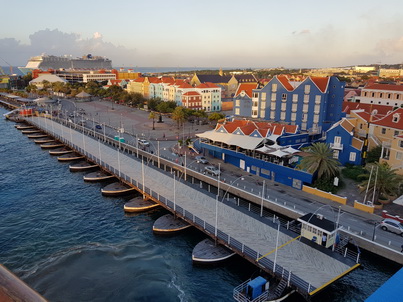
x=253 y=147
x=346 y=148
x=313 y=104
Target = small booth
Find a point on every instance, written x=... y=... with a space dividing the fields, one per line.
x=256 y=287
x=318 y=229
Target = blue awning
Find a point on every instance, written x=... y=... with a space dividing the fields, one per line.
x=391 y=290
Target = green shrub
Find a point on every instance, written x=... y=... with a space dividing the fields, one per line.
x=353 y=172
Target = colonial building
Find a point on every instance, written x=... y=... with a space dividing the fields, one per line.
x=192 y=100
x=313 y=104
x=211 y=96
x=393 y=154
x=346 y=148
x=243 y=99
x=382 y=94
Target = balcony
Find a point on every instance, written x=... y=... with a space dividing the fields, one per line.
x=336 y=146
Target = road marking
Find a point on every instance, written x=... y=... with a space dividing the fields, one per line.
x=278 y=248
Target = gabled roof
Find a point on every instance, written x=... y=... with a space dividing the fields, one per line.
x=245 y=78
x=207 y=85
x=321 y=82
x=362 y=114
x=347 y=125
x=213 y=78
x=357 y=143
x=247 y=88
x=388 y=120
x=284 y=81
x=380 y=110
x=384 y=87
x=140 y=80
x=185 y=85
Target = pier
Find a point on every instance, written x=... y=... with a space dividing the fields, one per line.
x=280 y=252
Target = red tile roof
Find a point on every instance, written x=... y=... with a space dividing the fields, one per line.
x=192 y=93
x=247 y=87
x=380 y=109
x=387 y=121
x=207 y=85
x=321 y=82
x=140 y=79
x=185 y=85
x=384 y=87
x=284 y=81
x=248 y=128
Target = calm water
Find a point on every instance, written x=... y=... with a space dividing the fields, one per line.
x=68 y=242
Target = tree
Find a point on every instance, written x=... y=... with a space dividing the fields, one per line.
x=320 y=161
x=152 y=116
x=178 y=115
x=374 y=154
x=384 y=180
x=215 y=116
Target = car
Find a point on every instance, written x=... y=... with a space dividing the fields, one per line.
x=212 y=170
x=143 y=142
x=392 y=225
x=201 y=159
x=98 y=127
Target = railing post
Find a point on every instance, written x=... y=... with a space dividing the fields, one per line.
x=289 y=278
x=345 y=253
x=358 y=258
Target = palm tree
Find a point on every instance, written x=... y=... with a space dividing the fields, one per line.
x=320 y=160
x=384 y=180
x=178 y=115
x=152 y=116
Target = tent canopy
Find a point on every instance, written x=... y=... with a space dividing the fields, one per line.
x=83 y=94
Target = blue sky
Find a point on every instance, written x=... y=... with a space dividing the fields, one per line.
x=253 y=33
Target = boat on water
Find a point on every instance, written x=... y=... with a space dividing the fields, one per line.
x=70 y=157
x=117 y=189
x=52 y=145
x=98 y=176
x=60 y=151
x=169 y=224
x=83 y=166
x=208 y=252
x=86 y=62
x=139 y=204
x=44 y=140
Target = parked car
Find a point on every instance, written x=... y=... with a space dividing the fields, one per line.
x=143 y=142
x=98 y=127
x=212 y=170
x=201 y=159
x=392 y=225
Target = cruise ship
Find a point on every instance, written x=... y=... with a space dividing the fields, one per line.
x=87 y=62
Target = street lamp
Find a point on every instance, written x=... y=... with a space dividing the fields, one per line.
x=222 y=200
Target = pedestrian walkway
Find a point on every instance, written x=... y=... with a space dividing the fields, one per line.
x=308 y=269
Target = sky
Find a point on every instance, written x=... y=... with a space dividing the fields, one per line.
x=219 y=33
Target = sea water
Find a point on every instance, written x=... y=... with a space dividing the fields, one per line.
x=70 y=243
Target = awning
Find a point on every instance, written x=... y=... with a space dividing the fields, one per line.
x=243 y=141
x=279 y=153
x=290 y=150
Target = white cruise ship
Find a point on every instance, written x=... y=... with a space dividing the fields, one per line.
x=87 y=62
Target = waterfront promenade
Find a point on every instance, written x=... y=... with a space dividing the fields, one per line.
x=306 y=268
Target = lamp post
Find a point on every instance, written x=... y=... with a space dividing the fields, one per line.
x=275 y=252
x=373 y=234
x=222 y=200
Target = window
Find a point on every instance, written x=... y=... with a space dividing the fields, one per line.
x=396 y=117
x=304 y=117
x=295 y=98
x=336 y=154
x=284 y=97
x=401 y=144
x=399 y=155
x=294 y=107
x=262 y=113
x=282 y=116
x=263 y=96
x=352 y=156
x=318 y=99
x=283 y=106
x=316 y=118
x=273 y=97
x=317 y=109
x=306 y=98
x=293 y=116
x=274 y=87
x=237 y=102
x=272 y=115
x=237 y=111
x=255 y=95
x=396 y=133
x=273 y=106
x=383 y=130
x=307 y=89
x=262 y=105
x=305 y=108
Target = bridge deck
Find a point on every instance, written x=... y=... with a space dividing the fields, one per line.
x=314 y=265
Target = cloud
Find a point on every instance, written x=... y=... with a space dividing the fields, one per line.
x=302 y=32
x=55 y=42
x=97 y=35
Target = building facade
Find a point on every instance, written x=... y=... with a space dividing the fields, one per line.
x=313 y=104
x=382 y=94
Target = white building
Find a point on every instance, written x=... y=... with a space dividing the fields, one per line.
x=98 y=77
x=382 y=94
